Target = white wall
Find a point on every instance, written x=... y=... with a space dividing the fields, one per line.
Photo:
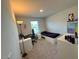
x=42 y=25
x=9 y=34
x=27 y=20
x=58 y=23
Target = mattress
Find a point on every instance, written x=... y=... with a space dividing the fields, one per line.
x=27 y=45
x=49 y=34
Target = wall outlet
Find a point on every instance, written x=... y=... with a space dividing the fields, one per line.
x=9 y=55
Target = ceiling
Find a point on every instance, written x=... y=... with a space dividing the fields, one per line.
x=32 y=7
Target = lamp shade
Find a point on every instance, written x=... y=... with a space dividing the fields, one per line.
x=19 y=22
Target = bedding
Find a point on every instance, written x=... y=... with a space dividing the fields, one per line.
x=52 y=35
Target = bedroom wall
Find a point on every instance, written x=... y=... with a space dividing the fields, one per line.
x=9 y=33
x=58 y=23
x=27 y=20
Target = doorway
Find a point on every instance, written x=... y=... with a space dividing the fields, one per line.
x=34 y=25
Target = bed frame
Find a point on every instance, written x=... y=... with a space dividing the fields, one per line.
x=50 y=37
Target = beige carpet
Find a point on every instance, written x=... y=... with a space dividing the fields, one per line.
x=42 y=50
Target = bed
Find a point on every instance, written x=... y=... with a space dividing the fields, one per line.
x=27 y=45
x=50 y=37
x=49 y=34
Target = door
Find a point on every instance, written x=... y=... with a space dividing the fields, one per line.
x=34 y=25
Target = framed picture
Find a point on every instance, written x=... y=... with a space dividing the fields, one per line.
x=71 y=17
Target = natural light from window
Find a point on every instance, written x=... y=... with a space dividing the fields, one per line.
x=34 y=25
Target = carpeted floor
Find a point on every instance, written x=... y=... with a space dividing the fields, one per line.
x=42 y=50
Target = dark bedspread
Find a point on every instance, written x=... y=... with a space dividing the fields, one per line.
x=52 y=35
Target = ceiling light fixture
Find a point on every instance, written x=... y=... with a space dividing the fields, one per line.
x=41 y=10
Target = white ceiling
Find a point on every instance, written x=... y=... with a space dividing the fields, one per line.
x=32 y=7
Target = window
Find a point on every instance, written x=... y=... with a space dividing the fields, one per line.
x=34 y=25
